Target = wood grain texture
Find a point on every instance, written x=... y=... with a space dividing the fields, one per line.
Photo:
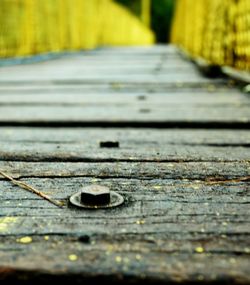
x=135 y=145
x=113 y=114
x=114 y=87
x=156 y=100
x=161 y=220
x=87 y=153
x=189 y=171
x=147 y=136
x=88 y=68
x=186 y=213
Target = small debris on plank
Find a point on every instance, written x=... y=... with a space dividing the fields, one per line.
x=109 y=144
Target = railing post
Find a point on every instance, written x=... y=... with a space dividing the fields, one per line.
x=146 y=12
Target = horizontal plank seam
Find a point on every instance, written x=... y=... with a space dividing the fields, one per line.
x=209 y=181
x=114 y=160
x=211 y=125
x=212 y=233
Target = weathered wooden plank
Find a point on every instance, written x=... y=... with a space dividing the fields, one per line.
x=114 y=88
x=143 y=67
x=166 y=50
x=122 y=261
x=111 y=58
x=114 y=114
x=74 y=86
x=132 y=64
x=120 y=89
x=42 y=220
x=87 y=152
x=19 y=97
x=154 y=224
x=127 y=137
x=180 y=206
x=174 y=225
x=159 y=195
x=74 y=67
x=76 y=62
x=189 y=171
x=57 y=78
x=93 y=69
x=51 y=144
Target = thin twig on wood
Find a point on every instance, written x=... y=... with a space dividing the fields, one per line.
x=31 y=189
x=212 y=181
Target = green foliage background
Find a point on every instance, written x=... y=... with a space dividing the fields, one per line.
x=161 y=16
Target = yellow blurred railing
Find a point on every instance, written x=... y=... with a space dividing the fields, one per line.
x=215 y=30
x=29 y=27
x=146 y=12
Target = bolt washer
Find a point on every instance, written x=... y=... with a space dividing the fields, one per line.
x=115 y=201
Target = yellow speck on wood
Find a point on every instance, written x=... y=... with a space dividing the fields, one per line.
x=247 y=250
x=46 y=237
x=170 y=165
x=118 y=259
x=5 y=222
x=195 y=187
x=138 y=257
x=157 y=187
x=140 y=222
x=25 y=240
x=199 y=249
x=73 y=257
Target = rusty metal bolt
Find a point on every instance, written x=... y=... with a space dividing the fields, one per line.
x=95 y=195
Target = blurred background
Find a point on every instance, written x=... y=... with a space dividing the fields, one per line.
x=80 y=24
x=160 y=16
x=215 y=30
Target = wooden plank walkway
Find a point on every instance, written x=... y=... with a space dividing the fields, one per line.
x=183 y=166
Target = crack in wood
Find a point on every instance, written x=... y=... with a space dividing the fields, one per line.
x=211 y=125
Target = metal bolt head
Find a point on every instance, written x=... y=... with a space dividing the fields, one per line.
x=95 y=195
